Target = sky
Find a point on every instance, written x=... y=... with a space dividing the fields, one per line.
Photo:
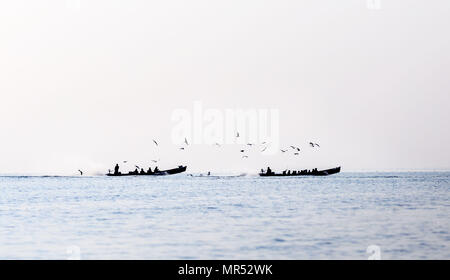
x=87 y=84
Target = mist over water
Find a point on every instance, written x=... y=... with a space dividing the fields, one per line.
x=405 y=214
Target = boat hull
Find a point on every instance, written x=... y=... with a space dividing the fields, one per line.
x=325 y=172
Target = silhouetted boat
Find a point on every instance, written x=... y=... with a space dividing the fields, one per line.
x=325 y=172
x=179 y=169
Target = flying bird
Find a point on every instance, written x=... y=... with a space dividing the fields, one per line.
x=217 y=144
x=182 y=148
x=314 y=144
x=154 y=141
x=242 y=151
x=186 y=141
x=154 y=160
x=237 y=134
x=81 y=172
x=263 y=149
x=295 y=148
x=284 y=151
x=296 y=154
x=249 y=144
x=244 y=156
x=125 y=161
x=137 y=167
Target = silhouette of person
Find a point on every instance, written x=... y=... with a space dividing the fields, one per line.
x=156 y=169
x=149 y=171
x=116 y=169
x=269 y=171
x=142 y=171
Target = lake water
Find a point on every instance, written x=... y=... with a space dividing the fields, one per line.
x=407 y=215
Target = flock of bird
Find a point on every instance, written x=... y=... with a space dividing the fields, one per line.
x=250 y=145
x=296 y=150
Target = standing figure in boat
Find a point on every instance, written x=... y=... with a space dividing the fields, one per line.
x=116 y=169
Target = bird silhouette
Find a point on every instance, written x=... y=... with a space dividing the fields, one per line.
x=296 y=154
x=284 y=151
x=314 y=144
x=186 y=141
x=125 y=161
x=295 y=148
x=263 y=149
x=217 y=144
x=237 y=134
x=242 y=151
x=154 y=141
x=81 y=172
x=154 y=160
x=244 y=156
x=182 y=148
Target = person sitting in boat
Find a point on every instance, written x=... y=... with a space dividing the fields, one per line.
x=142 y=171
x=149 y=171
x=284 y=172
x=156 y=169
x=289 y=172
x=116 y=169
x=269 y=171
x=136 y=171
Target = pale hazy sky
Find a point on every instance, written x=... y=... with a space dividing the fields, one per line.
x=86 y=84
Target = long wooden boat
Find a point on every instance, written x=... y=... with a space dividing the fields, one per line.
x=325 y=172
x=179 y=169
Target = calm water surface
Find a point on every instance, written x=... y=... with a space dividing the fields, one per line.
x=406 y=214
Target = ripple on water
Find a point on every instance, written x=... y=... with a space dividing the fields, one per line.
x=406 y=214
